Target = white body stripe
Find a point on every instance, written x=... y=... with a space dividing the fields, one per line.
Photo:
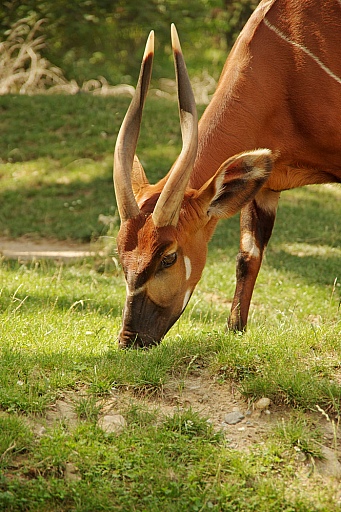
x=304 y=49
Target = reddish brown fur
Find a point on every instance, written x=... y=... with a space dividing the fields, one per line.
x=273 y=95
x=157 y=294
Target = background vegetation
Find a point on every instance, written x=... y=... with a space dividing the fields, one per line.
x=91 y=38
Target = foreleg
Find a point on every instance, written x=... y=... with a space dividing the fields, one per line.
x=257 y=219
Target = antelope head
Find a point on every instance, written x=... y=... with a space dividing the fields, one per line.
x=165 y=228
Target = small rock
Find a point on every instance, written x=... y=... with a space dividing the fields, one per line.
x=262 y=403
x=71 y=473
x=234 y=446
x=329 y=465
x=112 y=423
x=66 y=412
x=194 y=387
x=233 y=417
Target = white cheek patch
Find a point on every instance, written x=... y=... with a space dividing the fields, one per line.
x=188 y=267
x=186 y=298
x=248 y=244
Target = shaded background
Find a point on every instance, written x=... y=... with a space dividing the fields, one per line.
x=91 y=38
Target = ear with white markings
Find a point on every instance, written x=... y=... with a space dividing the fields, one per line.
x=235 y=183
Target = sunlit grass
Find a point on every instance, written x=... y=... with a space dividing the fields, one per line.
x=59 y=326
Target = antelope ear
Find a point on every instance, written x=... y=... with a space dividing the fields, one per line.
x=235 y=183
x=138 y=177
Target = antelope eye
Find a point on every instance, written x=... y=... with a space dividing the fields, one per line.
x=169 y=260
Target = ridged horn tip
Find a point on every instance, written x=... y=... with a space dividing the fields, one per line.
x=175 y=39
x=149 y=49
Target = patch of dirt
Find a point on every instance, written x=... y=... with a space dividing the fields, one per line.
x=25 y=249
x=215 y=401
x=199 y=392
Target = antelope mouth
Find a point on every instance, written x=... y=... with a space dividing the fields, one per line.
x=129 y=339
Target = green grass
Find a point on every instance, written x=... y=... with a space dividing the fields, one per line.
x=59 y=325
x=56 y=161
x=193 y=470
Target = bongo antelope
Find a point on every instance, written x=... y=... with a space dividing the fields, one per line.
x=280 y=90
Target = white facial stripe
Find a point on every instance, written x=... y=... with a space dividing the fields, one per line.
x=248 y=244
x=304 y=49
x=188 y=267
x=132 y=293
x=186 y=298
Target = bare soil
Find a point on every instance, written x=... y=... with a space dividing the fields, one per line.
x=24 y=249
x=213 y=401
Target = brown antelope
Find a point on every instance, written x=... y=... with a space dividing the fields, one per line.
x=280 y=89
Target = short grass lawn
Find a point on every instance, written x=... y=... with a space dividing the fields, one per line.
x=85 y=427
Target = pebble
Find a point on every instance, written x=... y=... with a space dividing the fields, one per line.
x=329 y=466
x=63 y=411
x=112 y=423
x=66 y=412
x=39 y=430
x=300 y=457
x=233 y=417
x=262 y=403
x=204 y=398
x=71 y=473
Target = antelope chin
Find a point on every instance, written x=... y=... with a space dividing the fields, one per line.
x=127 y=339
x=130 y=338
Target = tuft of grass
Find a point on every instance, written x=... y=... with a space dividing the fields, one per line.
x=261 y=364
x=302 y=434
x=87 y=408
x=189 y=423
x=16 y=438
